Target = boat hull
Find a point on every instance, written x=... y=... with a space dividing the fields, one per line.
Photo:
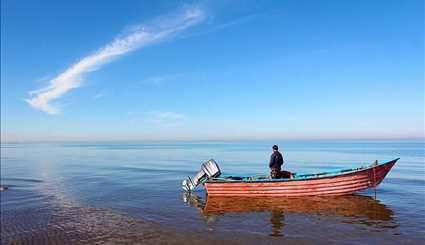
x=337 y=185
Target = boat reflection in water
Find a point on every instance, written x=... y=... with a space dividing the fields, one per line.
x=354 y=209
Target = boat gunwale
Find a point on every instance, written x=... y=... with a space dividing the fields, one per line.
x=360 y=169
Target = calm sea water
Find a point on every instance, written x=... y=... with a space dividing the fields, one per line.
x=86 y=193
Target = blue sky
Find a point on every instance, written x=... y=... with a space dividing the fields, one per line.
x=222 y=70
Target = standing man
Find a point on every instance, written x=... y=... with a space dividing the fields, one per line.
x=276 y=162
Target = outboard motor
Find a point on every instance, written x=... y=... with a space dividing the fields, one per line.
x=209 y=169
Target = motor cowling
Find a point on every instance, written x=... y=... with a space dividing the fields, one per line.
x=209 y=169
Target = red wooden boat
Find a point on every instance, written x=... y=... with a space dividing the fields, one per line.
x=337 y=183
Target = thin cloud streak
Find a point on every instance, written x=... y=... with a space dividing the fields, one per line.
x=161 y=79
x=140 y=36
x=166 y=117
x=100 y=95
x=157 y=119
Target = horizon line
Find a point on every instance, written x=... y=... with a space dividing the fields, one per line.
x=209 y=140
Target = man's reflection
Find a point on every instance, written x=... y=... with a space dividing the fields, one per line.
x=277 y=219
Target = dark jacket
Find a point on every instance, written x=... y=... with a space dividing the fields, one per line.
x=276 y=160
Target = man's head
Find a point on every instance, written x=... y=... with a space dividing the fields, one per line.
x=275 y=147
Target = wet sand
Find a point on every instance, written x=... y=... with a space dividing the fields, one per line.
x=87 y=225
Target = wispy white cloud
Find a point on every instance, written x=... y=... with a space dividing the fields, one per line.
x=138 y=37
x=165 y=117
x=245 y=19
x=100 y=94
x=43 y=79
x=161 y=119
x=161 y=79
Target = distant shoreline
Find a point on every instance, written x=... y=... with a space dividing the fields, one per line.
x=213 y=141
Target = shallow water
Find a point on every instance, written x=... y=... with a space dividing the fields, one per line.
x=130 y=193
